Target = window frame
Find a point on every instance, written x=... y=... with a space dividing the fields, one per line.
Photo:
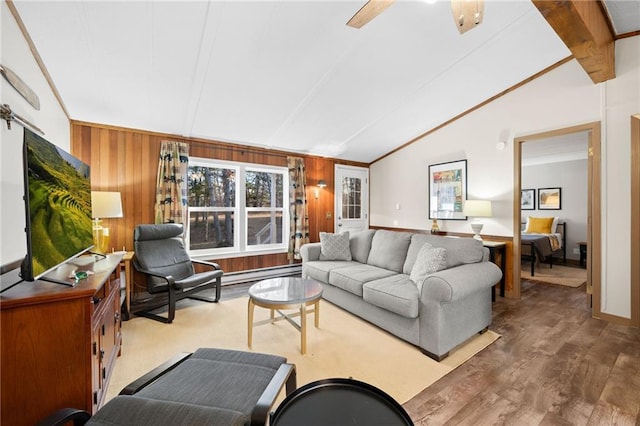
x=241 y=212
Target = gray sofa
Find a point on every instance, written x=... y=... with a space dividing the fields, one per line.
x=435 y=296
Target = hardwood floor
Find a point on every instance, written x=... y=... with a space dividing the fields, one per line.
x=553 y=365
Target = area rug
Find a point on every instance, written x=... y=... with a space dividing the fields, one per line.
x=559 y=274
x=343 y=346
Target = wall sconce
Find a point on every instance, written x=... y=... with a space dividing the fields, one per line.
x=321 y=184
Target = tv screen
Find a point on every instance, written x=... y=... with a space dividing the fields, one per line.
x=57 y=205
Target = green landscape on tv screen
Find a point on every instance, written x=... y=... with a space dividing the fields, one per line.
x=59 y=204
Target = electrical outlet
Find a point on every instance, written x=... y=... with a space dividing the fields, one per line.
x=576 y=251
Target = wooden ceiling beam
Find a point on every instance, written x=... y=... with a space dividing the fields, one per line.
x=583 y=27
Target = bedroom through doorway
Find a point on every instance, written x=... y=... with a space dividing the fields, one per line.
x=555 y=193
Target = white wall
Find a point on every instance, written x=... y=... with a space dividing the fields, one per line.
x=16 y=55
x=561 y=98
x=621 y=101
x=572 y=178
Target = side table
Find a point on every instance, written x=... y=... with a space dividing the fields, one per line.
x=583 y=253
x=128 y=281
x=493 y=247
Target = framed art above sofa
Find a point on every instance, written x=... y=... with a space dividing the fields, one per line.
x=447 y=190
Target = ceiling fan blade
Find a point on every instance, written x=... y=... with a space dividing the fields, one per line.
x=467 y=14
x=370 y=10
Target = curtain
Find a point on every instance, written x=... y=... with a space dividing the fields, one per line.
x=171 y=185
x=299 y=223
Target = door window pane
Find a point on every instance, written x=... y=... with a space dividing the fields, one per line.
x=351 y=198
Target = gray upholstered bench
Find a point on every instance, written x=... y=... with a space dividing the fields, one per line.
x=210 y=386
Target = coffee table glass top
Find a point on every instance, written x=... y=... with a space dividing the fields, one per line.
x=286 y=290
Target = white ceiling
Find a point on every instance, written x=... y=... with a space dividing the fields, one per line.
x=286 y=75
x=568 y=147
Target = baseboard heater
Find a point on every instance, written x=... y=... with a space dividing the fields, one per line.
x=261 y=274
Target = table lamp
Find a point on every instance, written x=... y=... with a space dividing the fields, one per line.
x=477 y=209
x=103 y=205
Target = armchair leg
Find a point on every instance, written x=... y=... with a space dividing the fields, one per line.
x=172 y=305
x=209 y=299
x=152 y=316
x=175 y=295
x=218 y=288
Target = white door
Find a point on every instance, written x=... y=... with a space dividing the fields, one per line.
x=352 y=198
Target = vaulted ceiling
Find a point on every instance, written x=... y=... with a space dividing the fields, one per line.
x=289 y=75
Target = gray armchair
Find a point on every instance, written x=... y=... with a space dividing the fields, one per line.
x=160 y=255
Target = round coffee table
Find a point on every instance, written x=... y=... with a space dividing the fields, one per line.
x=278 y=294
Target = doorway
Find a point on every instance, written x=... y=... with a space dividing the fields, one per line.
x=593 y=261
x=352 y=198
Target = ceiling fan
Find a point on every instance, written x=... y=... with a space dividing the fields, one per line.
x=467 y=14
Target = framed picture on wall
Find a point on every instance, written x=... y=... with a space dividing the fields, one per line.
x=549 y=198
x=447 y=190
x=528 y=199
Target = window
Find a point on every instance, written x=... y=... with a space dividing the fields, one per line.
x=236 y=207
x=264 y=205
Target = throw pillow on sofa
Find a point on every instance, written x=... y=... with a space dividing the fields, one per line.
x=429 y=260
x=361 y=244
x=335 y=246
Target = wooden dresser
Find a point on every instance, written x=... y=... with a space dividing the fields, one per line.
x=59 y=343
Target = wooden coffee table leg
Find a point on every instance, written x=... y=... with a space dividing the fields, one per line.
x=250 y=323
x=317 y=314
x=303 y=329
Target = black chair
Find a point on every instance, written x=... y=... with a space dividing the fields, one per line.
x=337 y=402
x=160 y=254
x=208 y=387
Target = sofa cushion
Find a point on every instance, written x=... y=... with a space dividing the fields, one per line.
x=389 y=249
x=335 y=246
x=397 y=294
x=351 y=278
x=459 y=250
x=429 y=260
x=319 y=269
x=360 y=243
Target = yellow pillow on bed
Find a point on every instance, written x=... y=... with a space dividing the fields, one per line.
x=539 y=225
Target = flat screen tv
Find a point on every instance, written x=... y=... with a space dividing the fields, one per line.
x=57 y=198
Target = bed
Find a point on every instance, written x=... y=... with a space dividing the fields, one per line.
x=541 y=246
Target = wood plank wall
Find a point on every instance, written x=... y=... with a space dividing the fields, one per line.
x=126 y=161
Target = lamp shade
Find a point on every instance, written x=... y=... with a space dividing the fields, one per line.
x=477 y=208
x=105 y=204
